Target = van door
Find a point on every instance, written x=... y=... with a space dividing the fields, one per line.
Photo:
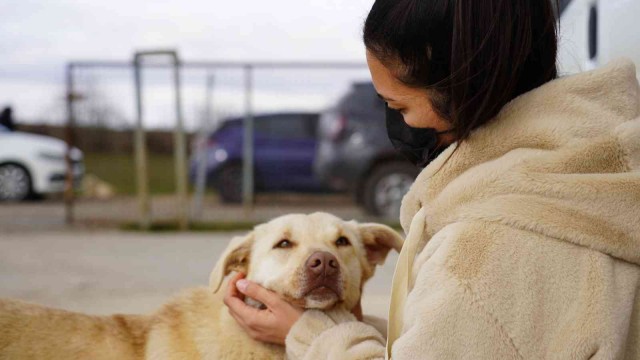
x=285 y=150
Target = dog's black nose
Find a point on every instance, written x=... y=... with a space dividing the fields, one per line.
x=322 y=262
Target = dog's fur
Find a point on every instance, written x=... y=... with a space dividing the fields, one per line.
x=196 y=324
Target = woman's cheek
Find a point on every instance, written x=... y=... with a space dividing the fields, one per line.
x=413 y=120
x=417 y=121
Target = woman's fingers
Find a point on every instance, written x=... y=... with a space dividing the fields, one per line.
x=232 y=293
x=270 y=325
x=258 y=324
x=235 y=301
x=248 y=314
x=232 y=287
x=257 y=292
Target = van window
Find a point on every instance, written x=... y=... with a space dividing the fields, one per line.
x=287 y=126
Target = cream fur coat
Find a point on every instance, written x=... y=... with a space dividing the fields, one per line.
x=524 y=245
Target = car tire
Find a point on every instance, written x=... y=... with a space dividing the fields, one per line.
x=230 y=184
x=385 y=187
x=15 y=183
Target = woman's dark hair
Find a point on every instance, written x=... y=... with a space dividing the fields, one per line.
x=474 y=55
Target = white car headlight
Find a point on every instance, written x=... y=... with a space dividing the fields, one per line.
x=51 y=156
x=76 y=154
x=220 y=155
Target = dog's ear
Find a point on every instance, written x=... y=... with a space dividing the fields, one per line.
x=378 y=239
x=235 y=258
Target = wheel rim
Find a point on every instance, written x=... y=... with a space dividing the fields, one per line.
x=14 y=183
x=389 y=192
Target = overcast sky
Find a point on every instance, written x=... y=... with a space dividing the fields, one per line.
x=40 y=36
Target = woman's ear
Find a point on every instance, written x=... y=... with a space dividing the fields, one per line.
x=235 y=258
x=378 y=239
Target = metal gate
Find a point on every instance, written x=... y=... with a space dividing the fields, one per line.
x=137 y=64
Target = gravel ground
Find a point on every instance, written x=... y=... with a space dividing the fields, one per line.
x=102 y=272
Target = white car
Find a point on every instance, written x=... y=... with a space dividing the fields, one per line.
x=594 y=32
x=34 y=165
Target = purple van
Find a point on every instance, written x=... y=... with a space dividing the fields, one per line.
x=284 y=151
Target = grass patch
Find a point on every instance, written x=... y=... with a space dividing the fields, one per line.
x=216 y=226
x=171 y=226
x=119 y=171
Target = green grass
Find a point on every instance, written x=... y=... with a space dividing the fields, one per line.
x=170 y=226
x=119 y=171
x=222 y=226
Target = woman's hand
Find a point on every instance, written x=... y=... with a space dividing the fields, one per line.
x=269 y=325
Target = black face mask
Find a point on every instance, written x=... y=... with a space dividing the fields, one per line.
x=418 y=145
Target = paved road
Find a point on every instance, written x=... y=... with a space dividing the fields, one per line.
x=102 y=272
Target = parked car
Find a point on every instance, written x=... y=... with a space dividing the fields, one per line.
x=284 y=150
x=34 y=165
x=355 y=154
x=594 y=32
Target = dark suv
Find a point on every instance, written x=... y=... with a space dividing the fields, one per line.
x=355 y=154
x=284 y=151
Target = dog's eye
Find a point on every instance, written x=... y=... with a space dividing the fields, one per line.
x=342 y=241
x=283 y=244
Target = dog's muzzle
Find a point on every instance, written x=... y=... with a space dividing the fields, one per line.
x=322 y=273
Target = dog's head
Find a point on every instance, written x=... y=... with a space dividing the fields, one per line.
x=314 y=261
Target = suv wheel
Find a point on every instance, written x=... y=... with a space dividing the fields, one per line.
x=15 y=183
x=230 y=183
x=386 y=186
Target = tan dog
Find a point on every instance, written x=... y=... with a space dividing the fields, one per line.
x=316 y=261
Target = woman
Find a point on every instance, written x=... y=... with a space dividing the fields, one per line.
x=523 y=235
x=6 y=119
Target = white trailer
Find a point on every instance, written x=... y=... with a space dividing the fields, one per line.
x=594 y=32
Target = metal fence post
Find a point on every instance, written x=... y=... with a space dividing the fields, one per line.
x=202 y=156
x=179 y=144
x=140 y=146
x=180 y=151
x=247 y=143
x=69 y=195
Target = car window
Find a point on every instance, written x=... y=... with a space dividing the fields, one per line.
x=229 y=124
x=362 y=99
x=287 y=126
x=563 y=5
